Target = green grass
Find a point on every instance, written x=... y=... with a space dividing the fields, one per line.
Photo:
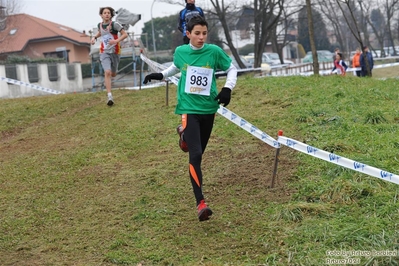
x=85 y=184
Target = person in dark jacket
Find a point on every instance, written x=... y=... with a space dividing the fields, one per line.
x=190 y=11
x=366 y=66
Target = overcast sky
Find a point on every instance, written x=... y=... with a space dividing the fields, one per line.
x=83 y=14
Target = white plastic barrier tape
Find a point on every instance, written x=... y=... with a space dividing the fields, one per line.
x=29 y=85
x=157 y=67
x=339 y=160
x=248 y=127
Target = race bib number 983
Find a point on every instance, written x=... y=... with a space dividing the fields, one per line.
x=199 y=80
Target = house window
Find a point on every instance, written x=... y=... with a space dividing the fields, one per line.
x=58 y=54
x=71 y=71
x=11 y=72
x=33 y=73
x=52 y=72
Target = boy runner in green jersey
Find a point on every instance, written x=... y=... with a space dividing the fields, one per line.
x=198 y=98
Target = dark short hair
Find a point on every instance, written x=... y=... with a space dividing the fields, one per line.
x=340 y=55
x=109 y=8
x=365 y=47
x=197 y=20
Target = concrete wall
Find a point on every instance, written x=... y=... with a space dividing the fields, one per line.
x=24 y=88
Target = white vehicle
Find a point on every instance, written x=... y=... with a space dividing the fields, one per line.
x=265 y=67
x=275 y=59
x=244 y=60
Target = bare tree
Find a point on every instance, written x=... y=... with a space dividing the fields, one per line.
x=396 y=28
x=350 y=18
x=221 y=9
x=390 y=6
x=279 y=39
x=311 y=37
x=12 y=6
x=266 y=17
x=7 y=7
x=348 y=4
x=378 y=25
x=337 y=24
x=327 y=8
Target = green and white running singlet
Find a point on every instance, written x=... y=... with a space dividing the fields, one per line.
x=197 y=89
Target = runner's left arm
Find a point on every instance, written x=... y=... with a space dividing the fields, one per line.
x=170 y=71
x=231 y=79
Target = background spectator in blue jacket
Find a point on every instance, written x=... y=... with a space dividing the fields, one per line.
x=190 y=11
x=366 y=62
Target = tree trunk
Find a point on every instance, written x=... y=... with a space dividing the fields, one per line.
x=311 y=37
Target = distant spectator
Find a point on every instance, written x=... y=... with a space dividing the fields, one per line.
x=356 y=62
x=366 y=62
x=185 y=15
x=339 y=65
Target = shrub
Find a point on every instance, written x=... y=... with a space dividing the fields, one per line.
x=18 y=59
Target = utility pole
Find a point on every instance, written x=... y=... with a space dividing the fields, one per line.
x=153 y=34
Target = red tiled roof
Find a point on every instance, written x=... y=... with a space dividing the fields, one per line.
x=30 y=28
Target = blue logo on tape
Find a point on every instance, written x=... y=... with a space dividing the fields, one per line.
x=386 y=175
x=264 y=135
x=334 y=157
x=290 y=143
x=359 y=166
x=311 y=149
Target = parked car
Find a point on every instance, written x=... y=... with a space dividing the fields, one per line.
x=275 y=59
x=220 y=73
x=272 y=59
x=244 y=60
x=264 y=66
x=322 y=56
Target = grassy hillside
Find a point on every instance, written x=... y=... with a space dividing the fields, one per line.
x=85 y=184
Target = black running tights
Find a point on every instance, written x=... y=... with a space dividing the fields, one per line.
x=197 y=131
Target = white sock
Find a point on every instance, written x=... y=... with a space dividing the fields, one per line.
x=109 y=94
